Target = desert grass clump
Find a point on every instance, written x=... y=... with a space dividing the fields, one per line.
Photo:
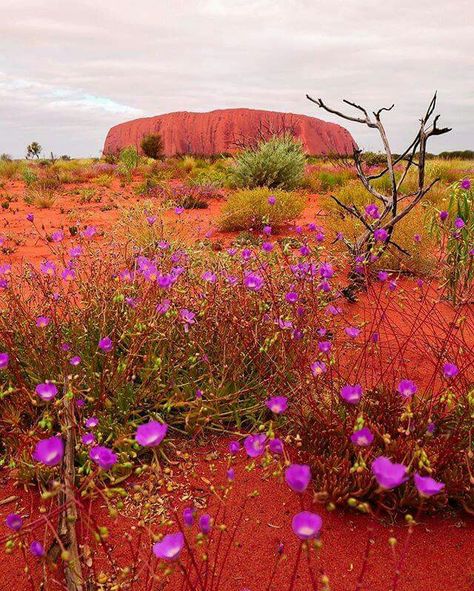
x=277 y=163
x=128 y=161
x=42 y=198
x=152 y=146
x=255 y=208
x=9 y=169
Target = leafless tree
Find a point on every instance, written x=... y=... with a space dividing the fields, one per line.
x=286 y=125
x=397 y=203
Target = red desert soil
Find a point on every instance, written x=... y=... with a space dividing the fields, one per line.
x=439 y=556
x=218 y=131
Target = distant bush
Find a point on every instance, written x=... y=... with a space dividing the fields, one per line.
x=276 y=163
x=152 y=146
x=253 y=208
x=128 y=161
x=5 y=157
x=188 y=196
x=33 y=150
x=460 y=154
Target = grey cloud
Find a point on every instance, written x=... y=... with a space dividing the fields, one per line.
x=68 y=71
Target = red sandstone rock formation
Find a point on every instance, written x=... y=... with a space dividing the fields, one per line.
x=226 y=130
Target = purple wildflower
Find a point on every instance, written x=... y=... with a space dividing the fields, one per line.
x=271 y=200
x=387 y=473
x=276 y=446
x=291 y=297
x=151 y=434
x=46 y=391
x=188 y=516
x=466 y=184
x=318 y=368
x=255 y=445
x=14 y=521
x=407 y=388
x=104 y=457
x=277 y=404
x=42 y=321
x=443 y=215
x=105 y=344
x=324 y=346
x=4 y=360
x=352 y=331
x=306 y=525
x=427 y=486
x=298 y=476
x=459 y=223
x=205 y=523
x=450 y=370
x=253 y=282
x=88 y=438
x=380 y=235
x=76 y=360
x=170 y=546
x=231 y=474
x=49 y=451
x=37 y=549
x=351 y=394
x=362 y=437
x=234 y=447
x=91 y=422
x=372 y=211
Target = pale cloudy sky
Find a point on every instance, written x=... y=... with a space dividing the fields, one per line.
x=71 y=69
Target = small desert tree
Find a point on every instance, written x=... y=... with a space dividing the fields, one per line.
x=33 y=150
x=381 y=218
x=152 y=146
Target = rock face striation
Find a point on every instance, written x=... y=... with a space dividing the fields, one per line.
x=226 y=130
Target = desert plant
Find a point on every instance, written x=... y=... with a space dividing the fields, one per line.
x=152 y=146
x=33 y=150
x=276 y=163
x=29 y=176
x=378 y=225
x=458 y=231
x=255 y=208
x=128 y=161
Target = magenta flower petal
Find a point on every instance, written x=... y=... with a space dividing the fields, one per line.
x=298 y=476
x=104 y=457
x=4 y=360
x=49 y=451
x=46 y=391
x=37 y=549
x=151 y=434
x=277 y=404
x=362 y=437
x=406 y=388
x=255 y=445
x=387 y=473
x=351 y=394
x=450 y=370
x=306 y=525
x=427 y=486
x=170 y=546
x=14 y=521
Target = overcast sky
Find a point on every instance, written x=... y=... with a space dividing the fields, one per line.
x=69 y=70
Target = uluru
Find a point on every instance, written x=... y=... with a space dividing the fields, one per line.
x=226 y=130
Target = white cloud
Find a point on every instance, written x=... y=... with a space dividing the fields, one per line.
x=71 y=70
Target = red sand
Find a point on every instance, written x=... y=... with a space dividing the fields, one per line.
x=218 y=131
x=439 y=556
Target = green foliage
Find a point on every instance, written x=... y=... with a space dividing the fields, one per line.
x=9 y=169
x=276 y=163
x=152 y=146
x=459 y=244
x=128 y=161
x=29 y=176
x=250 y=209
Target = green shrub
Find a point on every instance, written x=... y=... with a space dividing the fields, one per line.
x=129 y=160
x=250 y=208
x=29 y=176
x=276 y=163
x=152 y=146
